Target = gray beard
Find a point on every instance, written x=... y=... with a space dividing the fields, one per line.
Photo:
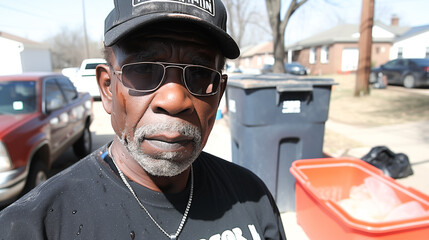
x=164 y=164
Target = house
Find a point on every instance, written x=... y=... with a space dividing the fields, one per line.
x=412 y=44
x=336 y=50
x=256 y=56
x=19 y=55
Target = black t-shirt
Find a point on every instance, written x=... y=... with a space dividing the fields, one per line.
x=90 y=201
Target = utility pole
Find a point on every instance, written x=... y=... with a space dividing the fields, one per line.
x=365 y=46
x=85 y=34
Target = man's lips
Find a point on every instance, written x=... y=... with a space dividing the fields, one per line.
x=168 y=142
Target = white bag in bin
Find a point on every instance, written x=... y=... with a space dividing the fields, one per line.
x=361 y=209
x=375 y=201
x=383 y=196
x=406 y=210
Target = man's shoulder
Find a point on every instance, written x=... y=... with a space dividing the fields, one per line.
x=213 y=161
x=228 y=170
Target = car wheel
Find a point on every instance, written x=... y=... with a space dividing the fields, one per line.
x=83 y=145
x=409 y=81
x=37 y=175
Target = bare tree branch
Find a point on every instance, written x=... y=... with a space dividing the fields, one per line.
x=278 y=27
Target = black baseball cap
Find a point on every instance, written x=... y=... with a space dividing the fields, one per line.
x=209 y=15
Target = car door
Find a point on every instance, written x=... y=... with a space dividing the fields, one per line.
x=393 y=71
x=75 y=110
x=55 y=102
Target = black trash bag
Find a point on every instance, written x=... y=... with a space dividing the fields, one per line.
x=392 y=164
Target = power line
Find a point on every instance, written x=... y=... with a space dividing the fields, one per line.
x=25 y=12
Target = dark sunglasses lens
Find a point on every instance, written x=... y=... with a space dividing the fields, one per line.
x=142 y=76
x=202 y=81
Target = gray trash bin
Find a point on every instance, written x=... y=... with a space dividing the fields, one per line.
x=276 y=119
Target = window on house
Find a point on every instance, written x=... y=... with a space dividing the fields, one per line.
x=400 y=50
x=312 y=56
x=259 y=61
x=324 y=54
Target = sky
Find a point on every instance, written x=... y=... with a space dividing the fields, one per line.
x=319 y=15
x=38 y=20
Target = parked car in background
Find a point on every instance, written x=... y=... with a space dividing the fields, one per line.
x=41 y=116
x=86 y=81
x=267 y=68
x=409 y=73
x=294 y=68
x=70 y=72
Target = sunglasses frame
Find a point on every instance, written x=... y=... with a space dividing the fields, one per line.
x=165 y=66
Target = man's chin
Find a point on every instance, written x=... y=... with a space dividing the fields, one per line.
x=163 y=167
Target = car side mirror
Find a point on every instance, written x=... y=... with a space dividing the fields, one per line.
x=53 y=105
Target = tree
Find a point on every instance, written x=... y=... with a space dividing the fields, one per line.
x=278 y=26
x=245 y=16
x=68 y=48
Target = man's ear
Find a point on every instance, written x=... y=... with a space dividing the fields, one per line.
x=105 y=86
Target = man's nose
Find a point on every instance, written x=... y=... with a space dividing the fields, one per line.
x=172 y=97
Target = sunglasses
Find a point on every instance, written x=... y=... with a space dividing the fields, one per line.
x=148 y=77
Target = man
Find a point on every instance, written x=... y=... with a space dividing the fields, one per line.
x=162 y=86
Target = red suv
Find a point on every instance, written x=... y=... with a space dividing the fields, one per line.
x=41 y=116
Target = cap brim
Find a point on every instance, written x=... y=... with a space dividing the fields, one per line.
x=227 y=44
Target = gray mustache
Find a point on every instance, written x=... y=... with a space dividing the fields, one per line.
x=184 y=129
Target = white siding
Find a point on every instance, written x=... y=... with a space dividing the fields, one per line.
x=413 y=47
x=36 y=60
x=17 y=57
x=10 y=60
x=378 y=32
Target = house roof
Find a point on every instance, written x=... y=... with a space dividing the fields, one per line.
x=414 y=31
x=346 y=33
x=258 y=49
x=24 y=41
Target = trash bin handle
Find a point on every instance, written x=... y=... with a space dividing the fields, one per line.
x=293 y=88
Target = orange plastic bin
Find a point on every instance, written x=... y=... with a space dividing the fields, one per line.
x=320 y=183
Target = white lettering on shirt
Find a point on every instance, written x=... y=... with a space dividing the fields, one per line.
x=254 y=233
x=235 y=234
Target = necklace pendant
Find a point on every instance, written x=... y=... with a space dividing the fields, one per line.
x=173 y=237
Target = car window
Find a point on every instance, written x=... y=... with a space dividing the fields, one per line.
x=17 y=97
x=92 y=65
x=392 y=64
x=68 y=88
x=424 y=62
x=404 y=62
x=53 y=94
x=412 y=64
x=400 y=63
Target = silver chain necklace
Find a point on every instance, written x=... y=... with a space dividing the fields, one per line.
x=173 y=236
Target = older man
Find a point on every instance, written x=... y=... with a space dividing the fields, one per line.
x=162 y=86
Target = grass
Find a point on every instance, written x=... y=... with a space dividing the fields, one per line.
x=393 y=105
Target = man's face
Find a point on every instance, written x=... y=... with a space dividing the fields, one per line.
x=164 y=130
